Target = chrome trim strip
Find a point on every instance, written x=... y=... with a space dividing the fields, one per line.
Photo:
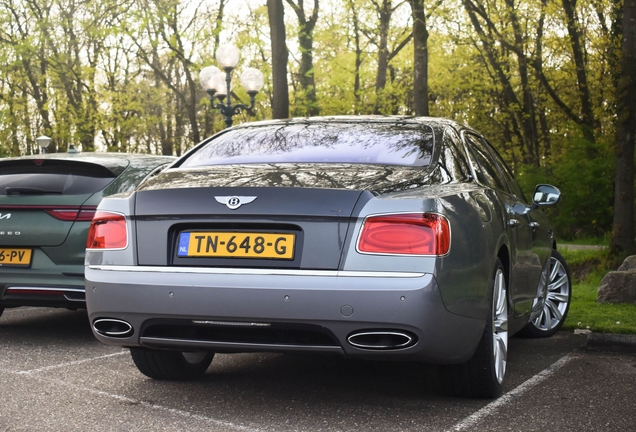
x=26 y=288
x=231 y=323
x=256 y=272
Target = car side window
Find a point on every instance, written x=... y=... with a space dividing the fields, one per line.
x=453 y=160
x=483 y=165
x=507 y=174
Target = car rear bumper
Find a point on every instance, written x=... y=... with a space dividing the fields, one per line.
x=61 y=286
x=240 y=310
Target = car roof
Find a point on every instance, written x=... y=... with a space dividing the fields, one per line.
x=360 y=119
x=114 y=162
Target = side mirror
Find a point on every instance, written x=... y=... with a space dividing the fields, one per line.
x=545 y=195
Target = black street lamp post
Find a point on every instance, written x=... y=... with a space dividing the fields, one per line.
x=217 y=84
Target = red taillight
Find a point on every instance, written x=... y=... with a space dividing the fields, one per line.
x=107 y=231
x=405 y=234
x=72 y=213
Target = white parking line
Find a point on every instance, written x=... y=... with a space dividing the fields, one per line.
x=21 y=309
x=73 y=363
x=490 y=409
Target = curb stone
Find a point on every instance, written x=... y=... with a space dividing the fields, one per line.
x=611 y=342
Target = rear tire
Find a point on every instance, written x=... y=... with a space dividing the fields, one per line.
x=482 y=376
x=1 y=310
x=171 y=365
x=556 y=303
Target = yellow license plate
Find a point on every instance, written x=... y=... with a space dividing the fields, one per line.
x=236 y=245
x=15 y=257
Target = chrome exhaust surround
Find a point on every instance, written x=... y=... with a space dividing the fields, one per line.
x=381 y=340
x=111 y=327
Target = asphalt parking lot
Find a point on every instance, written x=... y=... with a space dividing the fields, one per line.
x=55 y=376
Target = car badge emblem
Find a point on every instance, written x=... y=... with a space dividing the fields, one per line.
x=5 y=216
x=234 y=202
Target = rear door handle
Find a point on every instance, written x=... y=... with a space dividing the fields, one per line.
x=513 y=223
x=534 y=224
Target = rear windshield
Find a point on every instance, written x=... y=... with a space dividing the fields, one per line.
x=51 y=177
x=357 y=143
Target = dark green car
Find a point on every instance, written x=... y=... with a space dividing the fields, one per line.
x=47 y=203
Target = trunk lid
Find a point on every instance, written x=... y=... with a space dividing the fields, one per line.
x=316 y=204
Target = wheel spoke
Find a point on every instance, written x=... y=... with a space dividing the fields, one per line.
x=558 y=297
x=500 y=354
x=557 y=284
x=539 y=319
x=547 y=318
x=500 y=293
x=499 y=326
x=555 y=310
x=556 y=269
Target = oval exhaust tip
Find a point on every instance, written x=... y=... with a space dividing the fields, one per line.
x=381 y=340
x=111 y=327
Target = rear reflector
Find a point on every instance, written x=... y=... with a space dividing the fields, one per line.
x=405 y=234
x=64 y=213
x=107 y=231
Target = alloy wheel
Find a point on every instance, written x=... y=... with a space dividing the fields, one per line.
x=500 y=326
x=557 y=298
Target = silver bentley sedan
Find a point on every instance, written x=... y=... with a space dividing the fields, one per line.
x=382 y=238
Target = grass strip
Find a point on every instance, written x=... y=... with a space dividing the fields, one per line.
x=588 y=268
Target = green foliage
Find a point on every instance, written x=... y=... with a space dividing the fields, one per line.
x=122 y=77
x=583 y=173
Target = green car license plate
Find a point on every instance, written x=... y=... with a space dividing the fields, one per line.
x=15 y=257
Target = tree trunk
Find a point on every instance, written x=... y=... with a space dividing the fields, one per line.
x=587 y=115
x=420 y=59
x=280 y=98
x=622 y=240
x=358 y=61
x=385 y=12
x=528 y=116
x=510 y=103
x=306 y=68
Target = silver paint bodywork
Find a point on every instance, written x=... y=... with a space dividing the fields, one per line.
x=442 y=300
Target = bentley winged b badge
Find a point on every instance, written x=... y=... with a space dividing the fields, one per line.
x=234 y=202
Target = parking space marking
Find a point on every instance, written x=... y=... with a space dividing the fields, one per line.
x=490 y=409
x=73 y=363
x=226 y=425
x=21 y=309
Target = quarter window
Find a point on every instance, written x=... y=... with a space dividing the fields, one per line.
x=483 y=165
x=513 y=186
